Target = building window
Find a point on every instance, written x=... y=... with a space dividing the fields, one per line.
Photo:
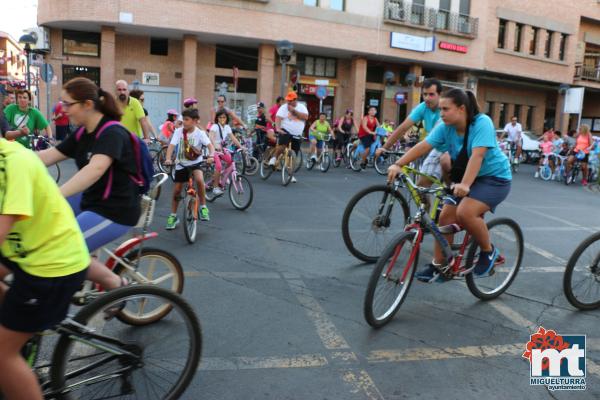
x=518 y=36
x=245 y=85
x=548 y=46
x=417 y=15
x=563 y=47
x=317 y=66
x=489 y=109
x=75 y=71
x=517 y=112
x=529 y=121
x=443 y=15
x=502 y=34
x=502 y=116
x=312 y=3
x=464 y=7
x=159 y=47
x=339 y=5
x=81 y=43
x=535 y=33
x=242 y=57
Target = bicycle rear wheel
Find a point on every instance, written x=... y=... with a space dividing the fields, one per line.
x=355 y=160
x=152 y=267
x=325 y=163
x=241 y=193
x=190 y=218
x=288 y=167
x=390 y=280
x=251 y=166
x=298 y=158
x=265 y=169
x=546 y=172
x=381 y=165
x=371 y=219
x=156 y=361
x=507 y=237
x=581 y=282
x=54 y=171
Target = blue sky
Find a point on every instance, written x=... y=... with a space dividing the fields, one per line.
x=17 y=15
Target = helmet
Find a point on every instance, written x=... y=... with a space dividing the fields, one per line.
x=172 y=112
x=189 y=101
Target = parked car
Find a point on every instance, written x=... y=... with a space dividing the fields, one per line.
x=531 y=146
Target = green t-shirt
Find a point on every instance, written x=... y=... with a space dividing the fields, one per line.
x=321 y=129
x=132 y=113
x=32 y=118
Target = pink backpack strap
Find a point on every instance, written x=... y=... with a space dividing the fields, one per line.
x=81 y=129
x=79 y=133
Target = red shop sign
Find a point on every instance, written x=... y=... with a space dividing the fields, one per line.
x=453 y=47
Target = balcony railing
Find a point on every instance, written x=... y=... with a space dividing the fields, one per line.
x=586 y=73
x=430 y=18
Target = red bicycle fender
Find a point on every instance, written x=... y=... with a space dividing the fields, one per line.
x=128 y=245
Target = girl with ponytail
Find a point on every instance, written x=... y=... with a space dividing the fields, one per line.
x=480 y=173
x=103 y=196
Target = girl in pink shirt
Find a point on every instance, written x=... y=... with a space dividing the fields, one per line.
x=547 y=148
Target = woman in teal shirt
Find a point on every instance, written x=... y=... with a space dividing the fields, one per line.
x=479 y=186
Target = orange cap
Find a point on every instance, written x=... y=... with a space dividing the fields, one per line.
x=291 y=96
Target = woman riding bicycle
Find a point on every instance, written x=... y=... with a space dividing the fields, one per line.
x=221 y=136
x=344 y=129
x=317 y=133
x=480 y=171
x=584 y=142
x=102 y=194
x=366 y=133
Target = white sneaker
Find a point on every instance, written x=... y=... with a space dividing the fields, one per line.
x=218 y=191
x=313 y=157
x=553 y=178
x=537 y=174
x=294 y=179
x=272 y=161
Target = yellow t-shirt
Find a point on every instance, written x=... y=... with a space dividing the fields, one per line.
x=132 y=113
x=46 y=240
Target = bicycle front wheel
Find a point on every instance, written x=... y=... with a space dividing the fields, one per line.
x=390 y=280
x=371 y=219
x=190 y=218
x=265 y=168
x=507 y=237
x=156 y=361
x=381 y=165
x=151 y=266
x=251 y=166
x=325 y=162
x=241 y=193
x=298 y=159
x=581 y=282
x=288 y=167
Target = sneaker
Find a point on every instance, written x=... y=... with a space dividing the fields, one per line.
x=204 y=214
x=486 y=262
x=553 y=178
x=313 y=157
x=363 y=165
x=217 y=191
x=537 y=174
x=584 y=182
x=429 y=274
x=293 y=179
x=172 y=222
x=272 y=161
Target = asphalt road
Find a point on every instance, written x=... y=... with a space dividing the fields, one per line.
x=280 y=301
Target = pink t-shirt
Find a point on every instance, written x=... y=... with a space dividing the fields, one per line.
x=273 y=113
x=546 y=147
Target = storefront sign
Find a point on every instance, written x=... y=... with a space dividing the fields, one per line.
x=373 y=103
x=150 y=78
x=400 y=98
x=312 y=90
x=453 y=47
x=322 y=82
x=411 y=42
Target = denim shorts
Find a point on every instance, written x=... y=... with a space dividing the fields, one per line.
x=487 y=189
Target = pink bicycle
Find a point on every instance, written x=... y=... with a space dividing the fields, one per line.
x=238 y=186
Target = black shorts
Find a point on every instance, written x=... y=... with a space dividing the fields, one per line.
x=367 y=141
x=284 y=140
x=182 y=175
x=34 y=304
x=341 y=139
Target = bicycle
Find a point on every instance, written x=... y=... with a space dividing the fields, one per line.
x=323 y=159
x=388 y=158
x=97 y=357
x=573 y=174
x=39 y=143
x=246 y=163
x=582 y=274
x=140 y=264
x=240 y=189
x=545 y=170
x=191 y=205
x=356 y=155
x=345 y=152
x=372 y=214
x=394 y=271
x=286 y=162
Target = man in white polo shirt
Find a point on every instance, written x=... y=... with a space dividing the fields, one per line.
x=290 y=120
x=514 y=130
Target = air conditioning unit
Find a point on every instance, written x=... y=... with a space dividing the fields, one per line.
x=42 y=36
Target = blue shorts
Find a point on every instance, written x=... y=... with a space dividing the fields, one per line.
x=487 y=189
x=97 y=230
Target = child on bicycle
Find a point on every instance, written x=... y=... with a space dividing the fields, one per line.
x=317 y=133
x=547 y=148
x=189 y=140
x=480 y=172
x=221 y=136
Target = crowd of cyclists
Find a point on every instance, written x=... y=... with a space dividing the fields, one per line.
x=101 y=201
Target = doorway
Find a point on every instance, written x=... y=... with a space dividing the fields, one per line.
x=373 y=99
x=158 y=99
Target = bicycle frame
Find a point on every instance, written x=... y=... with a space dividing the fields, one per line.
x=228 y=176
x=414 y=193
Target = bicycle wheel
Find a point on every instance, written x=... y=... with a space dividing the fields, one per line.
x=209 y=184
x=156 y=361
x=265 y=168
x=241 y=193
x=546 y=173
x=325 y=163
x=371 y=219
x=152 y=267
x=298 y=159
x=337 y=162
x=355 y=161
x=390 y=280
x=160 y=159
x=381 y=165
x=251 y=166
x=288 y=167
x=507 y=237
x=54 y=172
x=581 y=281
x=190 y=219
x=310 y=163
x=240 y=164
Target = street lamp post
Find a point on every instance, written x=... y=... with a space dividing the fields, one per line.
x=27 y=40
x=285 y=50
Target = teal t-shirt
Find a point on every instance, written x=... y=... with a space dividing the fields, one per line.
x=32 y=118
x=423 y=113
x=481 y=134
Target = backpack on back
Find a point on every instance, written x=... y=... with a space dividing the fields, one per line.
x=143 y=160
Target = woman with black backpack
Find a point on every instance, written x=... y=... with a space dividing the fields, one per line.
x=480 y=172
